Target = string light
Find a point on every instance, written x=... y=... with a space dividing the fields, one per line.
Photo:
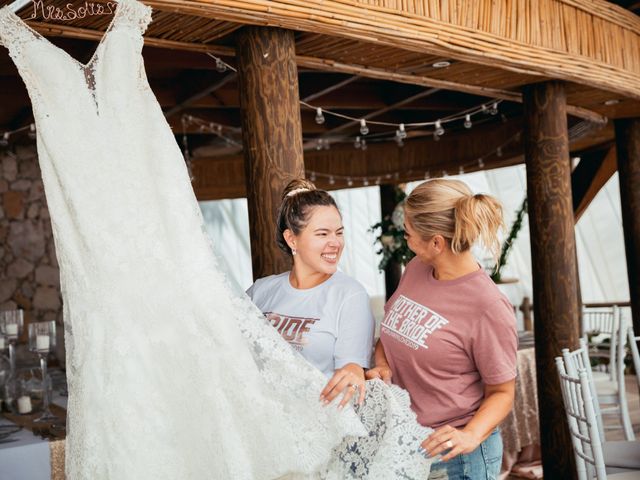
x=494 y=109
x=357 y=143
x=319 y=116
x=4 y=141
x=364 y=144
x=367 y=180
x=363 y=127
x=467 y=121
x=499 y=151
x=401 y=134
x=221 y=66
x=32 y=131
x=439 y=130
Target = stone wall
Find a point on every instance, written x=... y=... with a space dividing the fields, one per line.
x=29 y=276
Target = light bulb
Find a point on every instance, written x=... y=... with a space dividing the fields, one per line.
x=480 y=163
x=349 y=182
x=4 y=141
x=332 y=181
x=494 y=109
x=364 y=144
x=319 y=144
x=357 y=143
x=32 y=131
x=426 y=175
x=439 y=130
x=220 y=66
x=499 y=151
x=319 y=116
x=461 y=170
x=467 y=121
x=401 y=133
x=365 y=182
x=363 y=127
x=378 y=180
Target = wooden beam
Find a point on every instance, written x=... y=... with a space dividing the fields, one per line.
x=271 y=134
x=393 y=270
x=591 y=174
x=553 y=252
x=318 y=64
x=628 y=146
x=230 y=77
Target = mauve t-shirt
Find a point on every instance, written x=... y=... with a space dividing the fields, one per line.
x=446 y=340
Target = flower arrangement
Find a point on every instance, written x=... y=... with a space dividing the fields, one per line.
x=393 y=245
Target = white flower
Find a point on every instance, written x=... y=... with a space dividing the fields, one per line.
x=397 y=217
x=387 y=240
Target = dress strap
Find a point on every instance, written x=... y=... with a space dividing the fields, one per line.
x=134 y=14
x=13 y=31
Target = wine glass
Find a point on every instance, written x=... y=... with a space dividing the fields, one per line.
x=11 y=322
x=42 y=338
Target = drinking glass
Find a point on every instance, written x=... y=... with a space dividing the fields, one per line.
x=11 y=322
x=42 y=339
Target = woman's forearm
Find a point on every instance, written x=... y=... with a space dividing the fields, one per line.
x=495 y=407
x=379 y=356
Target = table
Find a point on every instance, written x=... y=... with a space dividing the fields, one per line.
x=520 y=430
x=31 y=457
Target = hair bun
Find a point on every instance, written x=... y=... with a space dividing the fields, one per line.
x=296 y=186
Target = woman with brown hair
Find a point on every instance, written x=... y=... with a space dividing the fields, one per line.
x=320 y=311
x=449 y=335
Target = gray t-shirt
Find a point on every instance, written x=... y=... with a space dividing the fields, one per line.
x=331 y=324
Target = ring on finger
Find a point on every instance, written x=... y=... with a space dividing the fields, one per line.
x=354 y=386
x=448 y=444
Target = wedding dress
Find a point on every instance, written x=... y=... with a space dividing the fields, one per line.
x=171 y=374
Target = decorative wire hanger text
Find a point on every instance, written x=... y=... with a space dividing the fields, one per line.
x=69 y=12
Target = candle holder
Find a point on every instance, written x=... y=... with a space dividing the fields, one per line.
x=11 y=322
x=42 y=339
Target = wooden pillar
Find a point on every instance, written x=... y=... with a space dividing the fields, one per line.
x=271 y=134
x=393 y=270
x=555 y=289
x=628 y=148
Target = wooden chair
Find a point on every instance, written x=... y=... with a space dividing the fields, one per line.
x=635 y=355
x=604 y=392
x=590 y=453
x=602 y=323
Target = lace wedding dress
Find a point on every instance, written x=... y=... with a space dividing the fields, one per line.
x=171 y=374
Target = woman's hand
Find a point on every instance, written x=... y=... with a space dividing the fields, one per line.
x=349 y=379
x=382 y=372
x=450 y=438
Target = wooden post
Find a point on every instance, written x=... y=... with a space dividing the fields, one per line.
x=628 y=147
x=555 y=274
x=393 y=270
x=526 y=308
x=271 y=134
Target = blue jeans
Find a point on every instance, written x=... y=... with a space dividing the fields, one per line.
x=481 y=464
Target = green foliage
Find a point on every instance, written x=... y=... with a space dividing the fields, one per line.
x=390 y=240
x=508 y=243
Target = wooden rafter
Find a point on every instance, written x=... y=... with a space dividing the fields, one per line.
x=316 y=64
x=591 y=174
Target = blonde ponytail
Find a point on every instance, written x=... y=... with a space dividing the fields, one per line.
x=477 y=218
x=449 y=208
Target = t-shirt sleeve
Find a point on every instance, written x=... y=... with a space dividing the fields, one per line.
x=354 y=341
x=251 y=290
x=495 y=343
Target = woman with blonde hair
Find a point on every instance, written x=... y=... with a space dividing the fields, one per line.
x=449 y=336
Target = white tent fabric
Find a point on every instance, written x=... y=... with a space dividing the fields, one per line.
x=599 y=237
